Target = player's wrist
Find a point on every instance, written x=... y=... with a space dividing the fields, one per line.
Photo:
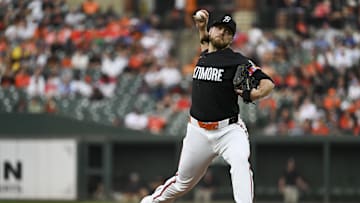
x=246 y=95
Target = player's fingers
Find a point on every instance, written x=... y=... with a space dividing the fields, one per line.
x=206 y=12
x=239 y=91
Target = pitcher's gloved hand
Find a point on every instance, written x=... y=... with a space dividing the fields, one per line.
x=244 y=83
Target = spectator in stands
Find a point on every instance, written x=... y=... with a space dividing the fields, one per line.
x=7 y=78
x=51 y=106
x=307 y=110
x=65 y=87
x=134 y=189
x=136 y=120
x=285 y=123
x=82 y=87
x=80 y=60
x=182 y=102
x=354 y=87
x=291 y=183
x=106 y=85
x=35 y=106
x=90 y=7
x=96 y=95
x=99 y=193
x=114 y=64
x=170 y=75
x=320 y=62
x=74 y=17
x=52 y=84
x=22 y=78
x=320 y=127
x=153 y=82
x=21 y=30
x=205 y=189
x=156 y=123
x=37 y=84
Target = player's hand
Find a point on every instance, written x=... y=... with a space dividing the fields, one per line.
x=201 y=19
x=254 y=94
x=239 y=92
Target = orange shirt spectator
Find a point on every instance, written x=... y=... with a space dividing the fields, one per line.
x=136 y=61
x=331 y=101
x=22 y=79
x=66 y=62
x=3 y=44
x=346 y=122
x=183 y=103
x=90 y=7
x=50 y=106
x=156 y=124
x=320 y=128
x=291 y=80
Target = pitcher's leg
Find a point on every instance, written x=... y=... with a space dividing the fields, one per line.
x=196 y=155
x=236 y=151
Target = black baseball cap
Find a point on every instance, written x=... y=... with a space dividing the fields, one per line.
x=226 y=20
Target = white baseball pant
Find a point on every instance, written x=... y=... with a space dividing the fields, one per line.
x=200 y=147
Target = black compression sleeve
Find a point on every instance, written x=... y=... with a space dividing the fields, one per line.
x=258 y=75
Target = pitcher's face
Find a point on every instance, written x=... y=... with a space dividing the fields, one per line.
x=220 y=36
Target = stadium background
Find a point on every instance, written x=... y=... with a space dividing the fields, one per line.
x=111 y=83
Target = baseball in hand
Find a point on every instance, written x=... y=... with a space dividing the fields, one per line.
x=200 y=15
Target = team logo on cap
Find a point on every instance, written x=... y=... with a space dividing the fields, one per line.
x=226 y=19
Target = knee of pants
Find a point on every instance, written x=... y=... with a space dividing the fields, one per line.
x=240 y=168
x=184 y=185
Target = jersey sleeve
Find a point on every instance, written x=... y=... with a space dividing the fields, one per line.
x=256 y=71
x=252 y=67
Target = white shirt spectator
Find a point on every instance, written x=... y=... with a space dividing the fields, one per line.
x=343 y=58
x=114 y=67
x=42 y=59
x=307 y=110
x=328 y=33
x=162 y=48
x=80 y=60
x=354 y=90
x=82 y=88
x=74 y=18
x=20 y=31
x=355 y=55
x=150 y=39
x=52 y=86
x=136 y=121
x=107 y=86
x=255 y=34
x=265 y=46
x=170 y=76
x=326 y=58
x=36 y=10
x=36 y=86
x=152 y=77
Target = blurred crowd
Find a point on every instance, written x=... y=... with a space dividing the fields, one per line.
x=51 y=50
x=313 y=55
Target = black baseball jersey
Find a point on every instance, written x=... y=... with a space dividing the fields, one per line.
x=213 y=95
